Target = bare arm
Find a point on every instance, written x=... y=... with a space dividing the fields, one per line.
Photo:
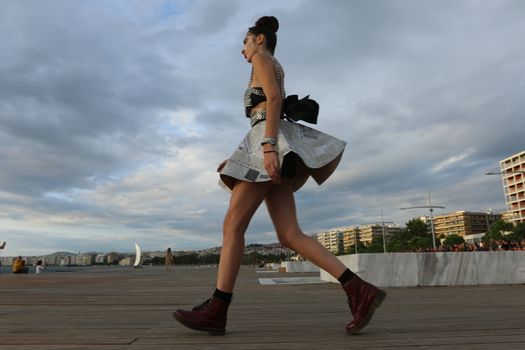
x=263 y=69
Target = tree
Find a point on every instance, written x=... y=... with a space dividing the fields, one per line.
x=396 y=245
x=413 y=237
x=376 y=246
x=398 y=242
x=421 y=242
x=496 y=230
x=519 y=231
x=417 y=228
x=453 y=239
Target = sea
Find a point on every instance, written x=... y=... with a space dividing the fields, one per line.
x=66 y=269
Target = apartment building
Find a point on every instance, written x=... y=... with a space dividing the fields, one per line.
x=349 y=238
x=332 y=240
x=343 y=239
x=464 y=223
x=368 y=232
x=513 y=178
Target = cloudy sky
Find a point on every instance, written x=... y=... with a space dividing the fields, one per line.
x=115 y=114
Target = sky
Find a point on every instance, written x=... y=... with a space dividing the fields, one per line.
x=115 y=114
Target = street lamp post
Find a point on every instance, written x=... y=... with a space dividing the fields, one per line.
x=383 y=231
x=431 y=209
x=506 y=172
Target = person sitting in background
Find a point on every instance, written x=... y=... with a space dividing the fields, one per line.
x=19 y=265
x=39 y=267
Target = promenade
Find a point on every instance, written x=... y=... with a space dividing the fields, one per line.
x=110 y=308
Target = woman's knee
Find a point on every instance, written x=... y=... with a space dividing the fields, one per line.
x=289 y=237
x=233 y=226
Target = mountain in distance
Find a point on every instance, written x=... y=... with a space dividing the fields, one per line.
x=61 y=254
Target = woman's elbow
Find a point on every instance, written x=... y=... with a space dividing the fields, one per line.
x=274 y=100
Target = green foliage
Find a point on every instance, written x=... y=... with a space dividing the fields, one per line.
x=415 y=236
x=376 y=246
x=361 y=248
x=397 y=245
x=417 y=228
x=496 y=230
x=519 y=231
x=453 y=239
x=420 y=242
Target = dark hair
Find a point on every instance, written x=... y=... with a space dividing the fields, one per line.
x=268 y=26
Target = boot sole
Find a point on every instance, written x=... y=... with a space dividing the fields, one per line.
x=210 y=330
x=381 y=295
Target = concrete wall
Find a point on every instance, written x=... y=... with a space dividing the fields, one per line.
x=436 y=269
x=299 y=266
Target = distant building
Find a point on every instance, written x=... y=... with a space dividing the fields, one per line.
x=101 y=259
x=87 y=259
x=349 y=237
x=112 y=258
x=127 y=261
x=332 y=240
x=368 y=232
x=463 y=223
x=67 y=260
x=513 y=178
x=343 y=239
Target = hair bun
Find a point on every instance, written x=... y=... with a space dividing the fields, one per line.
x=268 y=21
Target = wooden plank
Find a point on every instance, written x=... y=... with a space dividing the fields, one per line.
x=123 y=309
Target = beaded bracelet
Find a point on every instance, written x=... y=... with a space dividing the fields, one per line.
x=269 y=140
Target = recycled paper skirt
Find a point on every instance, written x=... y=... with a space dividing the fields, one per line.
x=315 y=154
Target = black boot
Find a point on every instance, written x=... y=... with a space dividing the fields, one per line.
x=210 y=316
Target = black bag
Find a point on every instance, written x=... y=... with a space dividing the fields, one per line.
x=304 y=109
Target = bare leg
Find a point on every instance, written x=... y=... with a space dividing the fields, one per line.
x=244 y=201
x=281 y=206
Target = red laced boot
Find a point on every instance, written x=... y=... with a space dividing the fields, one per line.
x=363 y=298
x=209 y=316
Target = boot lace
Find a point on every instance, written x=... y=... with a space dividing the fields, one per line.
x=202 y=306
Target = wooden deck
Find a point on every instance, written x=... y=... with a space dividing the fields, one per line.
x=131 y=309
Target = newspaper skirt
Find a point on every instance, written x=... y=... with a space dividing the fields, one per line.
x=314 y=153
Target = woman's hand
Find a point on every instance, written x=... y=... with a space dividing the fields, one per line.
x=219 y=168
x=271 y=164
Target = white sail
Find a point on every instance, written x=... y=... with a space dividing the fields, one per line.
x=138 y=256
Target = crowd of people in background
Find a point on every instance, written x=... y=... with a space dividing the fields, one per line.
x=19 y=266
x=492 y=245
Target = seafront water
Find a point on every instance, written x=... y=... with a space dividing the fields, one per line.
x=66 y=269
x=4 y=269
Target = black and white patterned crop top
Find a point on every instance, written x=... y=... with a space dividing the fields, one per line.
x=255 y=95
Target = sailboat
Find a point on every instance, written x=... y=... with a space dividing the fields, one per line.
x=138 y=257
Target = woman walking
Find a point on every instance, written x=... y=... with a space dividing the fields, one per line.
x=274 y=160
x=168 y=257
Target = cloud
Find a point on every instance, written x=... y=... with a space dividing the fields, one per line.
x=111 y=130
x=453 y=160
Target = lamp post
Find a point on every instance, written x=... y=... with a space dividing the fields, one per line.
x=506 y=172
x=431 y=209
